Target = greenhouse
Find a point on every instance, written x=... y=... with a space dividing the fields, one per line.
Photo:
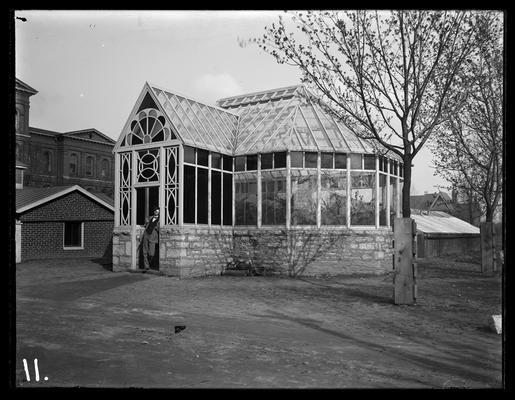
x=269 y=176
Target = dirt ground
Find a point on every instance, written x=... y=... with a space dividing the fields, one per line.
x=90 y=327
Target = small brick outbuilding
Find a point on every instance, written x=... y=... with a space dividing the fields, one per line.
x=63 y=222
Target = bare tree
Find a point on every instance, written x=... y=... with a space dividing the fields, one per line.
x=390 y=77
x=468 y=147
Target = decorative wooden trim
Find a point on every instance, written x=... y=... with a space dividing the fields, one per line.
x=377 y=193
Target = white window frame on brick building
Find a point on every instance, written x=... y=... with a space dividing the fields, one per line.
x=81 y=230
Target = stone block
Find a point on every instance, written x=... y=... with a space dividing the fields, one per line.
x=495 y=323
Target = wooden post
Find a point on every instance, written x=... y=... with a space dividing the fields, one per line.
x=405 y=290
x=487 y=254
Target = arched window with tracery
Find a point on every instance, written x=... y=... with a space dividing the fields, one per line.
x=149 y=126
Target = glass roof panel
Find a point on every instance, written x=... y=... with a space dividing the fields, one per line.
x=203 y=127
x=278 y=133
x=218 y=119
x=227 y=123
x=351 y=139
x=182 y=112
x=316 y=128
x=302 y=130
x=215 y=126
x=263 y=132
x=174 y=118
x=332 y=131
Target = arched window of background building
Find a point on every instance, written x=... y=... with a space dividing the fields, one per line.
x=105 y=168
x=73 y=164
x=47 y=161
x=89 y=165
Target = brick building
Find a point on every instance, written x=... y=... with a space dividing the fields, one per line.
x=63 y=222
x=47 y=158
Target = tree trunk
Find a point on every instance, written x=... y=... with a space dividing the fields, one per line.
x=406 y=208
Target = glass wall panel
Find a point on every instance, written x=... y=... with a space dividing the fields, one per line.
x=326 y=160
x=216 y=160
x=252 y=162
x=369 y=161
x=362 y=198
x=273 y=200
x=296 y=159
x=227 y=163
x=216 y=197
x=202 y=193
x=189 y=195
x=267 y=161
x=401 y=170
x=227 y=195
x=246 y=202
x=382 y=200
x=239 y=163
x=333 y=198
x=280 y=160
x=189 y=155
x=355 y=161
x=304 y=200
x=202 y=157
x=310 y=160
x=340 y=161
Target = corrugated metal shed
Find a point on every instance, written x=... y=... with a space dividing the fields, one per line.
x=441 y=222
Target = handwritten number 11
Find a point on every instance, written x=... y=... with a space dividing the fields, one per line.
x=27 y=374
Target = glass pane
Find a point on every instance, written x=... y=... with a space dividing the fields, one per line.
x=280 y=160
x=72 y=234
x=189 y=194
x=370 y=161
x=394 y=168
x=246 y=203
x=362 y=198
x=401 y=170
x=304 y=200
x=382 y=200
x=267 y=160
x=227 y=163
x=202 y=193
x=340 y=161
x=310 y=160
x=296 y=159
x=333 y=198
x=239 y=163
x=273 y=201
x=189 y=155
x=227 y=194
x=216 y=197
x=355 y=161
x=252 y=162
x=202 y=157
x=216 y=160
x=326 y=160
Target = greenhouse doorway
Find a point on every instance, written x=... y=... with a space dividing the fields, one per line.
x=147 y=198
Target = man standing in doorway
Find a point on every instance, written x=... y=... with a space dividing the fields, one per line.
x=150 y=237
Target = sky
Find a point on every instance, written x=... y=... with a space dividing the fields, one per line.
x=90 y=66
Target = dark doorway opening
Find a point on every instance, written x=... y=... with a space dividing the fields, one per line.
x=146 y=199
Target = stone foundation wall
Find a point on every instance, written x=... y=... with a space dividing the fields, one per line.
x=190 y=251
x=312 y=252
